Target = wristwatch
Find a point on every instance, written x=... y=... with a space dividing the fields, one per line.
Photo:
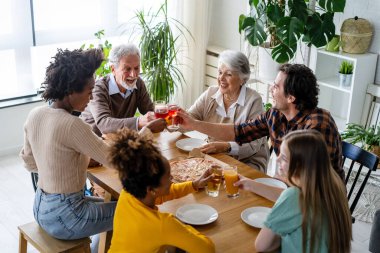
x=229 y=148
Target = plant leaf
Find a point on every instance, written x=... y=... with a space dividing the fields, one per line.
x=320 y=29
x=255 y=33
x=298 y=9
x=282 y=53
x=275 y=12
x=332 y=5
x=289 y=30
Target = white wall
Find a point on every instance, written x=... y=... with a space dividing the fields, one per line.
x=12 y=122
x=225 y=15
x=224 y=30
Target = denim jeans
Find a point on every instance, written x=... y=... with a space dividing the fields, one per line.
x=72 y=216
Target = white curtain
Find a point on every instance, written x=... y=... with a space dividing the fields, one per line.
x=195 y=15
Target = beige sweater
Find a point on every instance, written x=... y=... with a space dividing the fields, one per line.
x=58 y=146
x=255 y=153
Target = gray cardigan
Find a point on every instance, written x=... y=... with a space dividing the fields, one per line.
x=255 y=153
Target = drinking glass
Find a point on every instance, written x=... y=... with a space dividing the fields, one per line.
x=212 y=188
x=173 y=108
x=230 y=177
x=160 y=109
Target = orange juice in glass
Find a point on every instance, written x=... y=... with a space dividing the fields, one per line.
x=230 y=177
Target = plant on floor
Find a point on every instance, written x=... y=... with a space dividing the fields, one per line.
x=346 y=68
x=104 y=68
x=367 y=137
x=159 y=51
x=286 y=22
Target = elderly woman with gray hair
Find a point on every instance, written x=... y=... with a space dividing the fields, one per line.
x=232 y=102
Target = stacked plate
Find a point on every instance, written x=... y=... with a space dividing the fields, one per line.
x=189 y=143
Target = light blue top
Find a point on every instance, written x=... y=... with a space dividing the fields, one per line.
x=285 y=220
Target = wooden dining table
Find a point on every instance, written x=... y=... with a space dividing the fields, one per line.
x=228 y=232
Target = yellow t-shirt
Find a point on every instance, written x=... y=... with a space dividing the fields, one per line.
x=138 y=228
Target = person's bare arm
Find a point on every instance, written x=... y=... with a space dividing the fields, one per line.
x=266 y=191
x=223 y=132
x=267 y=241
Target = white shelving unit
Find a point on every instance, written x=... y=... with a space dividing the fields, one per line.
x=344 y=103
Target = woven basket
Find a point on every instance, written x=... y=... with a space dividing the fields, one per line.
x=356 y=35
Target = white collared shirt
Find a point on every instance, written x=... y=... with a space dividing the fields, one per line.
x=114 y=89
x=220 y=110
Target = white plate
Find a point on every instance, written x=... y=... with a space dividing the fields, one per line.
x=255 y=216
x=271 y=182
x=196 y=135
x=189 y=143
x=196 y=214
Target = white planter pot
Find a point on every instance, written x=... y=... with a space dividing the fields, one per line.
x=268 y=68
x=345 y=80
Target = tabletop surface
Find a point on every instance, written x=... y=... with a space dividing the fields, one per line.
x=228 y=232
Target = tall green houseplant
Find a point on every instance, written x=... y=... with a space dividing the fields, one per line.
x=159 y=51
x=286 y=22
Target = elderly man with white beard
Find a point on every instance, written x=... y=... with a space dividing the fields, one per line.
x=117 y=96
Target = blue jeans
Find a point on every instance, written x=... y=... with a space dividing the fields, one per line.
x=72 y=216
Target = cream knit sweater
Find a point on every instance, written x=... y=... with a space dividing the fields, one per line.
x=58 y=146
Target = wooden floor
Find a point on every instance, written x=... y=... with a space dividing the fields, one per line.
x=16 y=207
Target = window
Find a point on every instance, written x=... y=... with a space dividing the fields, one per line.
x=26 y=47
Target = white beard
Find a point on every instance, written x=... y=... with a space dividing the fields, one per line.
x=126 y=85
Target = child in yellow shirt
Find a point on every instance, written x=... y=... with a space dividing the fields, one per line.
x=145 y=176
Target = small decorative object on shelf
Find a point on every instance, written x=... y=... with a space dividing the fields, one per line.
x=334 y=44
x=345 y=73
x=356 y=35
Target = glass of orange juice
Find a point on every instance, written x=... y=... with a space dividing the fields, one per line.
x=230 y=177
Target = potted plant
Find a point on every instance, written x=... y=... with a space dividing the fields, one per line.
x=345 y=73
x=285 y=23
x=368 y=138
x=159 y=51
x=104 y=68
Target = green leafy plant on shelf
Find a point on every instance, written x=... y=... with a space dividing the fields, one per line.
x=367 y=137
x=104 y=68
x=159 y=51
x=346 y=68
x=286 y=22
x=267 y=106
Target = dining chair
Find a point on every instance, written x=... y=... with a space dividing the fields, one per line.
x=34 y=180
x=270 y=145
x=360 y=158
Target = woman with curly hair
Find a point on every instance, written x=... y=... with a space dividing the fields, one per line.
x=145 y=176
x=58 y=146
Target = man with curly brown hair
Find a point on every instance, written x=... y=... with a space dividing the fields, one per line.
x=295 y=99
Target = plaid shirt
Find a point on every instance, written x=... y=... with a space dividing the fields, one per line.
x=275 y=124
